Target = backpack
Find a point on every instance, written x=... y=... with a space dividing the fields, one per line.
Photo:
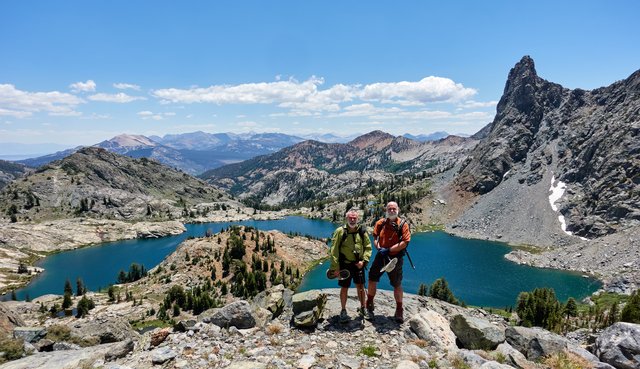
x=398 y=229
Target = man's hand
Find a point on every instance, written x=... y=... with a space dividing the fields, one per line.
x=360 y=264
x=335 y=273
x=383 y=251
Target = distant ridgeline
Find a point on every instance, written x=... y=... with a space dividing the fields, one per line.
x=313 y=171
x=10 y=171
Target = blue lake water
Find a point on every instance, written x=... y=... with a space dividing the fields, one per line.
x=475 y=270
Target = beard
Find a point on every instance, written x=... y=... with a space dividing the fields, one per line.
x=392 y=216
x=352 y=225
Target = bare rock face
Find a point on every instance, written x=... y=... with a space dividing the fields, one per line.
x=588 y=139
x=619 y=345
x=9 y=320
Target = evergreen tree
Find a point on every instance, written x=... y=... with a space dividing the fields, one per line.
x=67 y=288
x=631 y=311
x=422 y=289
x=80 y=289
x=571 y=308
x=539 y=308
x=66 y=301
x=440 y=290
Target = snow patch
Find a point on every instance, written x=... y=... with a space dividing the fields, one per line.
x=507 y=172
x=557 y=191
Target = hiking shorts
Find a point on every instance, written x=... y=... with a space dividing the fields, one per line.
x=395 y=276
x=354 y=273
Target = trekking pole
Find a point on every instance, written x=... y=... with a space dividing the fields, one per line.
x=409 y=257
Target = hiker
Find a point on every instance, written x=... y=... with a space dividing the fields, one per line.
x=350 y=250
x=391 y=236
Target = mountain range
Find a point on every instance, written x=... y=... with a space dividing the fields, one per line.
x=312 y=170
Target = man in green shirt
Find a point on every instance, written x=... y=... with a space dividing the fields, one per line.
x=350 y=250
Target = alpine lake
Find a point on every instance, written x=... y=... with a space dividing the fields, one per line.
x=475 y=270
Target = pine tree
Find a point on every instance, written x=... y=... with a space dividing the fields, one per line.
x=440 y=290
x=571 y=308
x=631 y=311
x=80 y=289
x=422 y=289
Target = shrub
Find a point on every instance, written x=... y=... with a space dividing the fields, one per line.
x=13 y=349
x=440 y=290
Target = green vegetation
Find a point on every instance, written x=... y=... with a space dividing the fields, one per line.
x=540 y=308
x=136 y=271
x=440 y=290
x=368 y=350
x=631 y=311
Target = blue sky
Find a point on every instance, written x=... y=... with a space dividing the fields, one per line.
x=79 y=72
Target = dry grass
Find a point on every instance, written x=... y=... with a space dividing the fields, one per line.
x=567 y=360
x=420 y=342
x=274 y=328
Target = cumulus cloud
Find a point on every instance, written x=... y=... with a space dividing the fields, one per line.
x=429 y=89
x=88 y=86
x=22 y=104
x=126 y=86
x=120 y=97
x=307 y=98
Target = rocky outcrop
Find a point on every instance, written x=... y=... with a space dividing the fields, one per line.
x=237 y=314
x=423 y=341
x=619 y=345
x=9 y=171
x=587 y=139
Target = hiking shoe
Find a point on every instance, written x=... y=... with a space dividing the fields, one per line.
x=399 y=316
x=344 y=317
x=369 y=315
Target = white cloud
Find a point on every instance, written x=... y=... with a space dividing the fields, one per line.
x=429 y=89
x=478 y=104
x=120 y=97
x=126 y=86
x=22 y=104
x=146 y=114
x=88 y=86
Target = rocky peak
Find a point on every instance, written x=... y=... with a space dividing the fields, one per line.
x=125 y=141
x=377 y=139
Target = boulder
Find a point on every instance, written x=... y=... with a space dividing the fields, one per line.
x=162 y=355
x=307 y=318
x=272 y=300
x=514 y=357
x=68 y=359
x=308 y=307
x=237 y=314
x=119 y=350
x=103 y=330
x=534 y=343
x=407 y=364
x=475 y=333
x=185 y=325
x=619 y=345
x=306 y=301
x=158 y=336
x=29 y=334
x=433 y=328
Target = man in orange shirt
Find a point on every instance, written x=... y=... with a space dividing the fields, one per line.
x=391 y=236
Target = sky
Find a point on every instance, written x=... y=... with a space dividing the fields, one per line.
x=79 y=72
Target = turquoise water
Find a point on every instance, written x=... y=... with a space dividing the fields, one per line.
x=475 y=270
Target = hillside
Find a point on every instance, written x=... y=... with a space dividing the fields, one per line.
x=9 y=171
x=312 y=170
x=96 y=183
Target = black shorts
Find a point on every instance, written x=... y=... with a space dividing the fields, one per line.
x=354 y=273
x=395 y=276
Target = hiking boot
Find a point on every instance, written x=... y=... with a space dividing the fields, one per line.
x=399 y=316
x=370 y=314
x=344 y=317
